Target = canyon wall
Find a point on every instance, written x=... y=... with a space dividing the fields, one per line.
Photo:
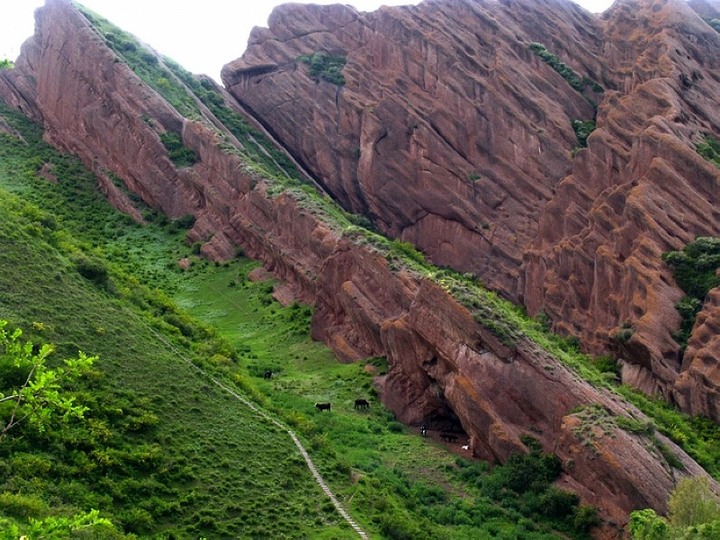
x=451 y=133
x=440 y=359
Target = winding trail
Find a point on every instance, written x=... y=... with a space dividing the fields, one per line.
x=261 y=413
x=318 y=478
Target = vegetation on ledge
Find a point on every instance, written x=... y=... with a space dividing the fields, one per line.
x=709 y=148
x=695 y=271
x=565 y=71
x=144 y=62
x=714 y=23
x=582 y=131
x=325 y=67
x=179 y=154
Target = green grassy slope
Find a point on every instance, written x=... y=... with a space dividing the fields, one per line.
x=397 y=483
x=199 y=480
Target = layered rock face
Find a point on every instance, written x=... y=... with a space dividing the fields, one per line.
x=697 y=387
x=441 y=360
x=452 y=134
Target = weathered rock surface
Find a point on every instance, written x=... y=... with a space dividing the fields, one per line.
x=443 y=364
x=698 y=386
x=450 y=133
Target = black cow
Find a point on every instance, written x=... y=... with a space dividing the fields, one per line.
x=362 y=404
x=448 y=437
x=267 y=374
x=322 y=407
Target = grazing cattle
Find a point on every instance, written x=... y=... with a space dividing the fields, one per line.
x=322 y=407
x=466 y=447
x=362 y=404
x=448 y=437
x=423 y=430
x=267 y=374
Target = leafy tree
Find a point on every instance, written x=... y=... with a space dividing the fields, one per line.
x=89 y=523
x=647 y=525
x=6 y=64
x=692 y=503
x=694 y=513
x=32 y=392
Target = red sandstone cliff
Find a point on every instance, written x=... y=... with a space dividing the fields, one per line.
x=440 y=359
x=450 y=133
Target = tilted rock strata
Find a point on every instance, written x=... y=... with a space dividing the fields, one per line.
x=698 y=390
x=434 y=135
x=639 y=190
x=450 y=133
x=92 y=105
x=440 y=359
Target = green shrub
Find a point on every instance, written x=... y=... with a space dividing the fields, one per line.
x=688 y=308
x=92 y=269
x=635 y=426
x=6 y=64
x=714 y=23
x=558 y=503
x=625 y=333
x=126 y=46
x=524 y=472
x=695 y=271
x=647 y=525
x=582 y=131
x=408 y=250
x=694 y=268
x=181 y=155
x=709 y=148
x=149 y=57
x=183 y=223
x=21 y=506
x=325 y=67
x=586 y=517
x=572 y=78
x=136 y=520
x=692 y=502
x=399 y=527
x=606 y=364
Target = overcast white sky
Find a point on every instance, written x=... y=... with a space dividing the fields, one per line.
x=200 y=35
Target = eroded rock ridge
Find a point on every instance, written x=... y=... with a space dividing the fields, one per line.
x=452 y=133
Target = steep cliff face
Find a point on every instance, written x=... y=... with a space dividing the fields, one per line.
x=442 y=362
x=697 y=388
x=451 y=133
x=441 y=133
x=96 y=110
